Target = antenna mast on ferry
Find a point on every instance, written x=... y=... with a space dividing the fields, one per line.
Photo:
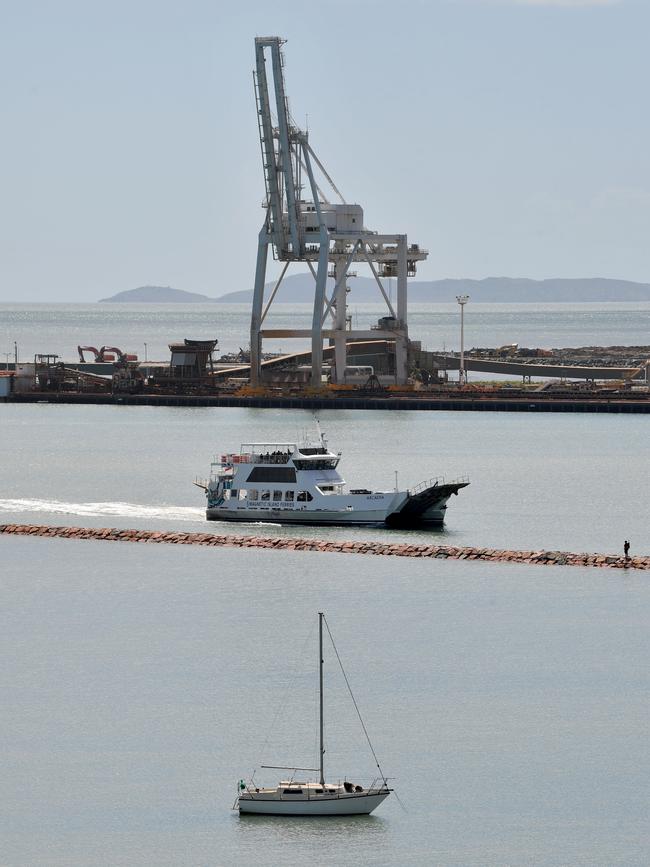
x=321 y=435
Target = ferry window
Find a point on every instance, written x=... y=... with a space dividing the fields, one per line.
x=234 y=493
x=266 y=495
x=323 y=464
x=304 y=497
x=267 y=475
x=288 y=496
x=252 y=494
x=277 y=495
x=243 y=494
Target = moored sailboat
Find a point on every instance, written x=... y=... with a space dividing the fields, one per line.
x=292 y=797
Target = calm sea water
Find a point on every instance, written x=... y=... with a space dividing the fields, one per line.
x=60 y=328
x=574 y=482
x=139 y=683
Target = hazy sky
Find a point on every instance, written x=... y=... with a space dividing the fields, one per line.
x=509 y=137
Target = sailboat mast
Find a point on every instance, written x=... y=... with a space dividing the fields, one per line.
x=320 y=670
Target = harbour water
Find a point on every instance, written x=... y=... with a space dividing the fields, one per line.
x=139 y=683
x=509 y=705
x=572 y=482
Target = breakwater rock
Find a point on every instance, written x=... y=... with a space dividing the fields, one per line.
x=386 y=549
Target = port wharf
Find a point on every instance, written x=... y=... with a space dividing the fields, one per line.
x=386 y=549
x=206 y=383
x=472 y=400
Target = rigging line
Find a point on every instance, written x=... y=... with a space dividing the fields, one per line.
x=354 y=702
x=399 y=801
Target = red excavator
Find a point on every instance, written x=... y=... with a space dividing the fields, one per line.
x=105 y=354
x=126 y=376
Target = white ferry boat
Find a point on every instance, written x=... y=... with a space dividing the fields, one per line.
x=298 y=483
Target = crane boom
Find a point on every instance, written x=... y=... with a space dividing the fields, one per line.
x=271 y=180
x=284 y=134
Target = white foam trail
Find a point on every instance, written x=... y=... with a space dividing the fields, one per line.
x=98 y=510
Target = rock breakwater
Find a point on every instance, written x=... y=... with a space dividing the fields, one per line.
x=386 y=549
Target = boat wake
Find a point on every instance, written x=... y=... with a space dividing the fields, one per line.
x=109 y=510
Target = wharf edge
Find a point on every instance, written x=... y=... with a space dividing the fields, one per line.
x=451 y=403
x=441 y=552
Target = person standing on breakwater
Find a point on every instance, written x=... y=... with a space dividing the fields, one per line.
x=626 y=549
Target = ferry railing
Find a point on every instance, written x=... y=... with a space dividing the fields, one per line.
x=280 y=458
x=253 y=458
x=436 y=482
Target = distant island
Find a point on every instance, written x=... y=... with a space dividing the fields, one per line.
x=156 y=295
x=299 y=288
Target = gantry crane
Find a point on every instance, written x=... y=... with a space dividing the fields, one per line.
x=302 y=225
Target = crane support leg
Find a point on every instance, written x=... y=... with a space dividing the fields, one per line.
x=319 y=303
x=401 y=339
x=340 y=350
x=402 y=266
x=258 y=302
x=401 y=359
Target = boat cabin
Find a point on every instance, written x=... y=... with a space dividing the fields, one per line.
x=270 y=475
x=290 y=789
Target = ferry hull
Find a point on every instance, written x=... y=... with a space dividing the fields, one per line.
x=334 y=519
x=341 y=805
x=426 y=508
x=320 y=518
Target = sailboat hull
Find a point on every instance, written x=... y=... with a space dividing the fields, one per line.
x=338 y=805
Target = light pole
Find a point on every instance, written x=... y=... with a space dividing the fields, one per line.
x=462 y=301
x=145 y=352
x=16 y=352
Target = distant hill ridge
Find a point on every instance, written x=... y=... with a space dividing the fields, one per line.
x=299 y=288
x=156 y=295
